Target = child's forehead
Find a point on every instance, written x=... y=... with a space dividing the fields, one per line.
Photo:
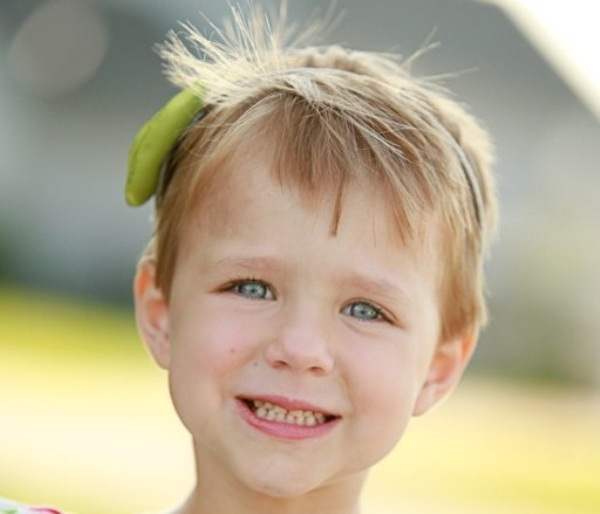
x=247 y=184
x=247 y=191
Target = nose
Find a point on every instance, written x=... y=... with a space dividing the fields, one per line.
x=302 y=344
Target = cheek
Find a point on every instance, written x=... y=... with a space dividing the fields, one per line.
x=207 y=353
x=386 y=389
x=383 y=395
x=213 y=345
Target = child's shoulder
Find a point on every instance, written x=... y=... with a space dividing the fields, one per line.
x=12 y=507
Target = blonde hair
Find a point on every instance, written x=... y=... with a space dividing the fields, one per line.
x=333 y=115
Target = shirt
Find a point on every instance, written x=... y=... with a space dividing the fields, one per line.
x=11 y=507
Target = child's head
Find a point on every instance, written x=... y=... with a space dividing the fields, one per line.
x=320 y=236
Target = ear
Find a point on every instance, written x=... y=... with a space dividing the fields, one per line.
x=151 y=313
x=445 y=371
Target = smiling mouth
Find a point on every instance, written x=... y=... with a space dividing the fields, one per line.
x=273 y=412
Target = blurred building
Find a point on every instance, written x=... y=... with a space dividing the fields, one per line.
x=78 y=78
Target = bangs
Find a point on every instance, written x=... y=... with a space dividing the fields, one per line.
x=317 y=151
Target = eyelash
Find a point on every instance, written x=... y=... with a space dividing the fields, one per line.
x=381 y=316
x=244 y=280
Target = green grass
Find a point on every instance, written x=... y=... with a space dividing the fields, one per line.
x=87 y=425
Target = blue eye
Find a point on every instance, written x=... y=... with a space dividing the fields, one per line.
x=256 y=289
x=252 y=288
x=364 y=311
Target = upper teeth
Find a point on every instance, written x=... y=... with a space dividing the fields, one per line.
x=270 y=411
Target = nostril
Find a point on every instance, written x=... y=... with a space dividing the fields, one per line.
x=299 y=349
x=317 y=370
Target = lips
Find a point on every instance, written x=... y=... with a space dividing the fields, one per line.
x=281 y=429
x=289 y=404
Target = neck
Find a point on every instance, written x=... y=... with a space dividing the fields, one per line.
x=217 y=492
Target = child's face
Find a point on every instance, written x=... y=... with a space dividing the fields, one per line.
x=307 y=330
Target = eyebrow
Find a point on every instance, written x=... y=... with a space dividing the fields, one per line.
x=252 y=263
x=374 y=285
x=377 y=286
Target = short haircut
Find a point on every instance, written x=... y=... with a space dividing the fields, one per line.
x=333 y=116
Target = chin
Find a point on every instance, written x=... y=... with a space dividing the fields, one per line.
x=280 y=488
x=282 y=481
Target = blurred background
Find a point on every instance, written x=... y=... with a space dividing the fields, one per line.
x=85 y=418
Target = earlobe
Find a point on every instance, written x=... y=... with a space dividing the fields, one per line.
x=445 y=371
x=151 y=312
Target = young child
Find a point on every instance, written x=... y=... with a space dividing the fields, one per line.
x=315 y=278
x=316 y=273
